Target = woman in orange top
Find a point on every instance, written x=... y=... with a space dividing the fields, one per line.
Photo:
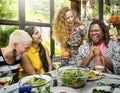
x=38 y=54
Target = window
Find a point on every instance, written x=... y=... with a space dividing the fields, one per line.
x=9 y=9
x=37 y=10
x=5 y=31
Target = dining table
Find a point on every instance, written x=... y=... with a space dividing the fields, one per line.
x=105 y=79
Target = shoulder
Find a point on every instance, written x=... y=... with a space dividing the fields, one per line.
x=84 y=46
x=113 y=43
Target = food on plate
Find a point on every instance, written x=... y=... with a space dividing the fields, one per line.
x=100 y=91
x=73 y=77
x=92 y=76
x=39 y=90
x=38 y=83
x=35 y=81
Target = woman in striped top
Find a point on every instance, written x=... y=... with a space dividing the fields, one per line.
x=19 y=42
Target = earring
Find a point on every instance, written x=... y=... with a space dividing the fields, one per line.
x=14 y=53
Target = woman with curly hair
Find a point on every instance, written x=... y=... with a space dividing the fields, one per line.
x=100 y=44
x=67 y=31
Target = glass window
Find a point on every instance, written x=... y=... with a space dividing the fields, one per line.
x=89 y=11
x=37 y=10
x=61 y=3
x=111 y=13
x=9 y=9
x=5 y=31
x=46 y=35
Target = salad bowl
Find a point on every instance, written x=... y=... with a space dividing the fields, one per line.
x=73 y=76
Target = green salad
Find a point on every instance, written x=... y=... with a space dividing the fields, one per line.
x=35 y=81
x=100 y=91
x=38 y=83
x=73 y=78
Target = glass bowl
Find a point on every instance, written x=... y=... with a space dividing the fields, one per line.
x=73 y=76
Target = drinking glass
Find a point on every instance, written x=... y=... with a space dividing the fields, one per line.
x=99 y=65
x=5 y=76
x=56 y=61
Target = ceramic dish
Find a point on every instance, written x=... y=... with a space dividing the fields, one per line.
x=63 y=89
x=25 y=79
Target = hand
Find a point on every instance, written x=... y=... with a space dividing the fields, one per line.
x=92 y=54
x=114 y=38
x=97 y=51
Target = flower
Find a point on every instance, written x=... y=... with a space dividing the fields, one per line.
x=115 y=20
x=65 y=53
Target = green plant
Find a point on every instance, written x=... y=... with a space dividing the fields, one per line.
x=4 y=34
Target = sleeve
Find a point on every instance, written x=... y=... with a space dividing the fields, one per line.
x=116 y=58
x=114 y=55
x=82 y=53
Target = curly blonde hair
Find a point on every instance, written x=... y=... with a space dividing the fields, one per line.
x=60 y=29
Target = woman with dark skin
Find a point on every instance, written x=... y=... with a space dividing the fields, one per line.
x=100 y=44
x=38 y=54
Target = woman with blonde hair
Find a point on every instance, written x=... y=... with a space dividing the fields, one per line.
x=67 y=31
x=19 y=42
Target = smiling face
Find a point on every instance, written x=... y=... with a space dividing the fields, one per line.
x=37 y=37
x=96 y=34
x=69 y=18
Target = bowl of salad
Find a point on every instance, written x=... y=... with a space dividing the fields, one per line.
x=73 y=76
x=35 y=84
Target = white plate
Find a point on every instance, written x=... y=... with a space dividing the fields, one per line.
x=27 y=78
x=63 y=89
x=95 y=78
x=106 y=88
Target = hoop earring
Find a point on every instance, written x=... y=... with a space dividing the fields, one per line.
x=14 y=53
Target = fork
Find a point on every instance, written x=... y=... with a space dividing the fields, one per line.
x=112 y=88
x=40 y=76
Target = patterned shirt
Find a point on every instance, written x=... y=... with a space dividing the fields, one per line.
x=74 y=40
x=112 y=52
x=14 y=67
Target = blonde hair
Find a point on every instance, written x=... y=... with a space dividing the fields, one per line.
x=60 y=29
x=19 y=36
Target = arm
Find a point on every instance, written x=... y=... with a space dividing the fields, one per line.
x=86 y=60
x=113 y=53
x=108 y=63
x=26 y=65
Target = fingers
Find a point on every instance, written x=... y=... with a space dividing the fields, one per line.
x=95 y=51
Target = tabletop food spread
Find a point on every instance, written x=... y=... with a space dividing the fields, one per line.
x=43 y=83
x=93 y=76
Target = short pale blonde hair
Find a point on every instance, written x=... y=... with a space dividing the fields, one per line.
x=20 y=37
